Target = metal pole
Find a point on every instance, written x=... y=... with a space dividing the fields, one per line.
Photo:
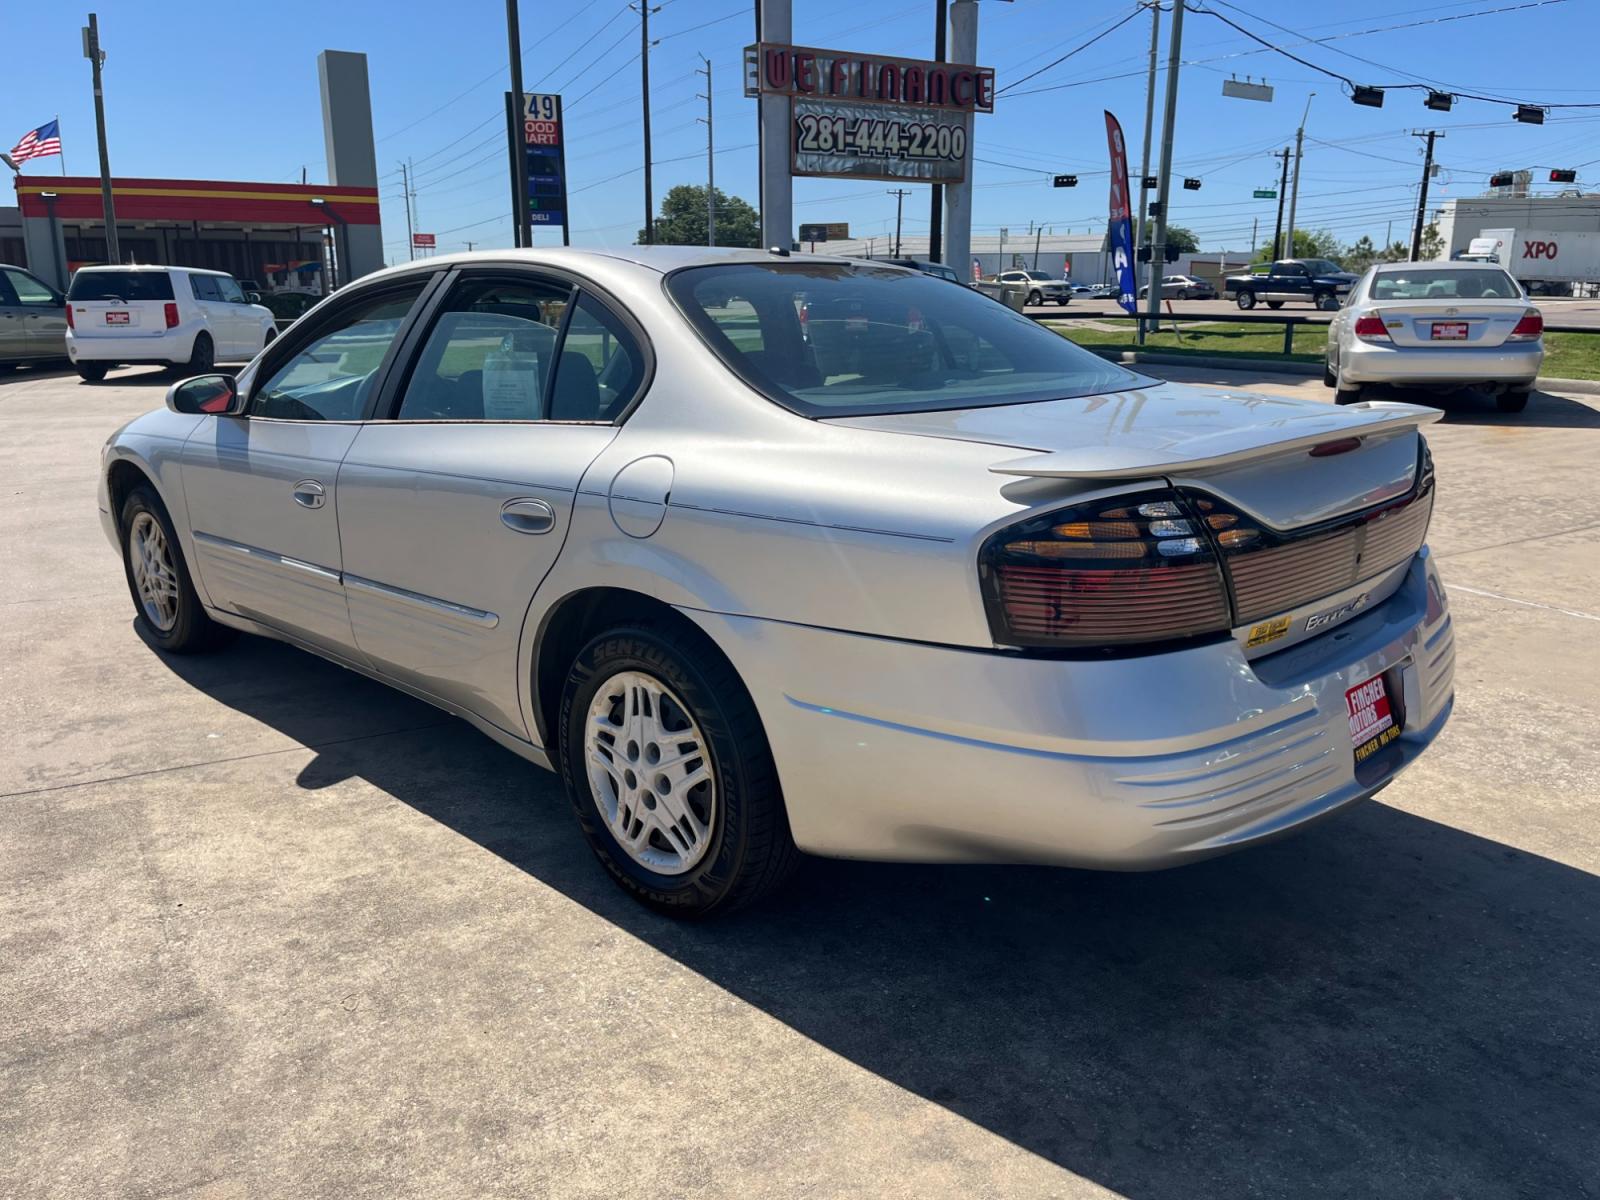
x=522 y=231
x=899 y=195
x=963 y=48
x=1141 y=218
x=411 y=234
x=1037 y=233
x=1277 y=230
x=1158 y=244
x=1294 y=188
x=711 y=159
x=644 y=99
x=1422 y=197
x=62 y=154
x=92 y=51
x=775 y=23
x=936 y=211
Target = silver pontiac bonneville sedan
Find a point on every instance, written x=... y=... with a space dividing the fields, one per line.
x=768 y=554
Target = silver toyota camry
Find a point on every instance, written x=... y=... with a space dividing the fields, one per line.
x=767 y=554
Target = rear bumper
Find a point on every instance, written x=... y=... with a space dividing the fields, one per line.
x=1375 y=362
x=168 y=346
x=893 y=750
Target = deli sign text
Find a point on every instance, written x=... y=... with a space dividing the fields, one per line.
x=806 y=72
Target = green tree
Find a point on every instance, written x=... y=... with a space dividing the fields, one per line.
x=1359 y=255
x=683 y=219
x=1308 y=243
x=1432 y=247
x=1184 y=239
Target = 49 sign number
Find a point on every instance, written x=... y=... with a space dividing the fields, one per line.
x=877 y=138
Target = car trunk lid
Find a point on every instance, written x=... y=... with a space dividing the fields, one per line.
x=1441 y=323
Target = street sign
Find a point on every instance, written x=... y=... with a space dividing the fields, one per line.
x=837 y=231
x=424 y=241
x=1266 y=193
x=867 y=116
x=544 y=158
x=1065 y=181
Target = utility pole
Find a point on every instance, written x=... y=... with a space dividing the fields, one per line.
x=1277 y=230
x=1294 y=188
x=1037 y=233
x=1141 y=234
x=522 y=227
x=1254 y=222
x=711 y=159
x=97 y=58
x=899 y=195
x=1422 y=197
x=470 y=245
x=941 y=20
x=411 y=236
x=1158 y=245
x=644 y=99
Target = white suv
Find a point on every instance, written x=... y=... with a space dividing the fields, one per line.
x=167 y=316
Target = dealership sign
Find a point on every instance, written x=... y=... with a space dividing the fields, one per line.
x=424 y=241
x=544 y=159
x=870 y=117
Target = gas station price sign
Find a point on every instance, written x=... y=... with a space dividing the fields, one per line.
x=544 y=158
x=868 y=117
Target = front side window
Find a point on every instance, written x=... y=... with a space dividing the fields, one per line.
x=228 y=288
x=28 y=289
x=842 y=340
x=330 y=377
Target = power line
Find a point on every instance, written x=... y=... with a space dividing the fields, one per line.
x=1075 y=50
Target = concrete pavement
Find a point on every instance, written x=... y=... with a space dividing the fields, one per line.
x=268 y=928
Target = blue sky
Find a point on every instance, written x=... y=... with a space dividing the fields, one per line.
x=198 y=89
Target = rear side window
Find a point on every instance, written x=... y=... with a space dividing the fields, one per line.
x=204 y=287
x=120 y=285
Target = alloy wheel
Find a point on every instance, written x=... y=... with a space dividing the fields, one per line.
x=649 y=773
x=154 y=574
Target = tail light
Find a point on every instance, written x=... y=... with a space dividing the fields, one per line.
x=1371 y=329
x=1530 y=328
x=1126 y=569
x=171 y=309
x=70 y=325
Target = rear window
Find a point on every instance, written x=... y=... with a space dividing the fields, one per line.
x=120 y=285
x=1488 y=283
x=830 y=340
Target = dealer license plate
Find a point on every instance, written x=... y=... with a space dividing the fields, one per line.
x=1449 y=331
x=1373 y=720
x=116 y=318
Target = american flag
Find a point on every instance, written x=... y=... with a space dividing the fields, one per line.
x=41 y=143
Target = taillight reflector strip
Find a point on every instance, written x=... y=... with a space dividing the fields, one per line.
x=171 y=309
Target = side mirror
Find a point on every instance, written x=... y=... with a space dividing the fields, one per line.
x=207 y=395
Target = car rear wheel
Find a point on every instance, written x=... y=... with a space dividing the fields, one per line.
x=1329 y=379
x=1513 y=401
x=670 y=775
x=204 y=355
x=92 y=372
x=1327 y=301
x=1246 y=300
x=170 y=613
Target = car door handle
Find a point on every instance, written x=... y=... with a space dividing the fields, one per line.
x=528 y=516
x=308 y=493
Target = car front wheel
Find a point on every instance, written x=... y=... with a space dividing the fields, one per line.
x=1035 y=298
x=1246 y=300
x=170 y=613
x=669 y=772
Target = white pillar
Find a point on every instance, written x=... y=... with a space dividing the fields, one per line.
x=958 y=196
x=777 y=186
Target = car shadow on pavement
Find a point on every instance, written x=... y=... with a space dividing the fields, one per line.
x=1381 y=1006
x=1470 y=406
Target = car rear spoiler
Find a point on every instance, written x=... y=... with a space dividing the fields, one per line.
x=1228 y=448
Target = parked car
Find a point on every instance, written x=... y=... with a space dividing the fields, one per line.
x=286 y=306
x=937 y=270
x=911 y=579
x=1439 y=325
x=1315 y=280
x=33 y=321
x=1042 y=288
x=168 y=316
x=1182 y=287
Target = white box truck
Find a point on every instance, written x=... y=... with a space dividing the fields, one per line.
x=1545 y=261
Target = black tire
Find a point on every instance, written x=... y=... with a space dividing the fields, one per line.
x=1512 y=401
x=203 y=357
x=1274 y=303
x=1329 y=379
x=92 y=372
x=1035 y=298
x=191 y=631
x=751 y=851
x=1327 y=301
x=1246 y=300
x=1183 y=293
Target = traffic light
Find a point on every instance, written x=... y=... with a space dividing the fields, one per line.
x=1155 y=208
x=1191 y=184
x=1501 y=179
x=1560 y=176
x=1151 y=182
x=1369 y=97
x=1172 y=252
x=1529 y=114
x=1439 y=101
x=1065 y=181
x=1142 y=254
